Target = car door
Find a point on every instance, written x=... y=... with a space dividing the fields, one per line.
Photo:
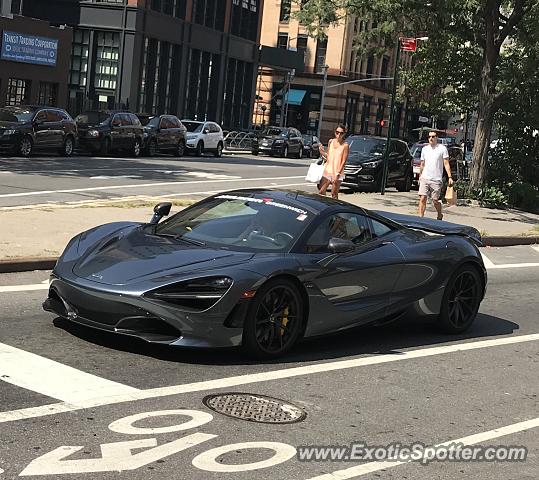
x=355 y=287
x=128 y=130
x=393 y=163
x=117 y=136
x=404 y=161
x=175 y=132
x=216 y=134
x=41 y=130
x=293 y=141
x=56 y=128
x=163 y=134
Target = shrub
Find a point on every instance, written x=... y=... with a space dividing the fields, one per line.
x=525 y=196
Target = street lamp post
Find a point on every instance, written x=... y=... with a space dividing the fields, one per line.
x=325 y=68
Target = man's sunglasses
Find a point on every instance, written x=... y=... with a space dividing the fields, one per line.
x=433 y=136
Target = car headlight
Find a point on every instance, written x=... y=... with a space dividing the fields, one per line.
x=10 y=132
x=374 y=164
x=93 y=133
x=197 y=294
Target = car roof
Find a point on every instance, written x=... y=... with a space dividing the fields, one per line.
x=375 y=137
x=311 y=202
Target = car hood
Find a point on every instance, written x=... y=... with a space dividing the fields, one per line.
x=11 y=124
x=125 y=258
x=269 y=137
x=356 y=158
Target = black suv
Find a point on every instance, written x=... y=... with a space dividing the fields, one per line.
x=108 y=131
x=365 y=165
x=278 y=141
x=162 y=133
x=28 y=128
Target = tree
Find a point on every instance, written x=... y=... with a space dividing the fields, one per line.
x=460 y=61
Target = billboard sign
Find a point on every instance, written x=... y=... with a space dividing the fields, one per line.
x=26 y=48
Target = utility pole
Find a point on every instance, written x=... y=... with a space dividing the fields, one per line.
x=321 y=116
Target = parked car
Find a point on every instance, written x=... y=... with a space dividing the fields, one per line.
x=278 y=142
x=162 y=133
x=365 y=165
x=416 y=154
x=264 y=268
x=104 y=131
x=311 y=146
x=204 y=137
x=27 y=128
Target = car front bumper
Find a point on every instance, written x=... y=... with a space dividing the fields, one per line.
x=360 y=176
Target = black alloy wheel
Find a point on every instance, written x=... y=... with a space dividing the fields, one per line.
x=274 y=320
x=67 y=149
x=180 y=150
x=461 y=300
x=25 y=146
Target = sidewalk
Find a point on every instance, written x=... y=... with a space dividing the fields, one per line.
x=43 y=231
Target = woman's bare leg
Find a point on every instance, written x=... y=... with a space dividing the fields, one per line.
x=323 y=186
x=335 y=189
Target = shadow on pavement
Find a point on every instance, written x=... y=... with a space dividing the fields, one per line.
x=407 y=333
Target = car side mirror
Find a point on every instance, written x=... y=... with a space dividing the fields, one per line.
x=340 y=245
x=159 y=211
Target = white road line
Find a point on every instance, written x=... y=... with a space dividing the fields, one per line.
x=254 y=378
x=488 y=263
x=365 y=468
x=141 y=185
x=24 y=288
x=536 y=248
x=47 y=377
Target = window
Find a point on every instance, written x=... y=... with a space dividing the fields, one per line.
x=383 y=73
x=107 y=59
x=285 y=11
x=244 y=21
x=347 y=226
x=370 y=66
x=237 y=99
x=42 y=116
x=321 y=48
x=18 y=91
x=379 y=229
x=302 y=47
x=209 y=13
x=282 y=41
x=54 y=116
x=48 y=93
x=169 y=7
x=365 y=115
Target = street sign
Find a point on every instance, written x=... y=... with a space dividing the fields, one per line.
x=408 y=44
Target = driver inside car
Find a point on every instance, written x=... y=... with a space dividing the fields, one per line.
x=264 y=226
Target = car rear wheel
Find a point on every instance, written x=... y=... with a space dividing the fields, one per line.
x=300 y=153
x=180 y=150
x=152 y=148
x=68 y=147
x=274 y=321
x=404 y=185
x=255 y=152
x=105 y=146
x=461 y=300
x=219 y=150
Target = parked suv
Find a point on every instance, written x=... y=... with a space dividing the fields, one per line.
x=107 y=131
x=365 y=165
x=162 y=133
x=28 y=128
x=204 y=137
x=278 y=141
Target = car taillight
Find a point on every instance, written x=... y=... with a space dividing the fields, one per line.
x=198 y=294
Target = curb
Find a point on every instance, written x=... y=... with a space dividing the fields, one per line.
x=509 y=241
x=47 y=263
x=27 y=264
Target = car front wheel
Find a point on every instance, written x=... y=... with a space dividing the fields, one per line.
x=200 y=149
x=404 y=185
x=461 y=300
x=136 y=148
x=180 y=150
x=274 y=320
x=25 y=146
x=67 y=149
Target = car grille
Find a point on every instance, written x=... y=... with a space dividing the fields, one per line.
x=352 y=169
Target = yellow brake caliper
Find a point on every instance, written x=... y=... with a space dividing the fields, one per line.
x=284 y=321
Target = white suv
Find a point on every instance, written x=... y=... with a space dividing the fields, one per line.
x=204 y=137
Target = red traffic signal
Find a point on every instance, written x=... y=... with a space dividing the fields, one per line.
x=381 y=122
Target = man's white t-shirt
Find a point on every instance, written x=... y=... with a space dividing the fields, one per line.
x=434 y=162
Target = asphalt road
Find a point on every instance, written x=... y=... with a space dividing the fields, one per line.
x=79 y=404
x=40 y=180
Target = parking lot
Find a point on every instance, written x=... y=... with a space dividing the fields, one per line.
x=82 y=404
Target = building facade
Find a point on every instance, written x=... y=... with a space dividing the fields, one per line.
x=363 y=106
x=34 y=60
x=193 y=58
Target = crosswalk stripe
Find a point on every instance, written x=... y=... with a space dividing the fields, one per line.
x=53 y=379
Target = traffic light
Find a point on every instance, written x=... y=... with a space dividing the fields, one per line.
x=382 y=122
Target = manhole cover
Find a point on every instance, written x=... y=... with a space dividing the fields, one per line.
x=255 y=408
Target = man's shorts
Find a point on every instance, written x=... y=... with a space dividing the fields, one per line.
x=430 y=188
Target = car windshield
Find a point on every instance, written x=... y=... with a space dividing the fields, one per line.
x=92 y=118
x=366 y=145
x=193 y=127
x=239 y=223
x=274 y=132
x=149 y=121
x=307 y=138
x=16 y=115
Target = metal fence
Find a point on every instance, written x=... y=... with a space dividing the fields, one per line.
x=238 y=141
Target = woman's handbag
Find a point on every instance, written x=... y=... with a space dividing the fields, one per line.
x=315 y=172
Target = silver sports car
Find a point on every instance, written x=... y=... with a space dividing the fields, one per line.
x=264 y=268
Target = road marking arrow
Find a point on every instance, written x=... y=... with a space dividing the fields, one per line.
x=115 y=457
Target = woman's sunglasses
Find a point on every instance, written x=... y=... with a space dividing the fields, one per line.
x=339 y=132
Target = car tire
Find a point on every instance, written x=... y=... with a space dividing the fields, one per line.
x=136 y=148
x=279 y=296
x=219 y=151
x=105 y=146
x=199 y=149
x=299 y=156
x=285 y=152
x=152 y=148
x=458 y=311
x=180 y=149
x=68 y=147
x=404 y=185
x=254 y=152
x=25 y=147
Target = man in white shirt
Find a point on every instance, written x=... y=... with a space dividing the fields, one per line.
x=434 y=158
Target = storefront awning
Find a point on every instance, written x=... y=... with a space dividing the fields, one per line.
x=295 y=97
